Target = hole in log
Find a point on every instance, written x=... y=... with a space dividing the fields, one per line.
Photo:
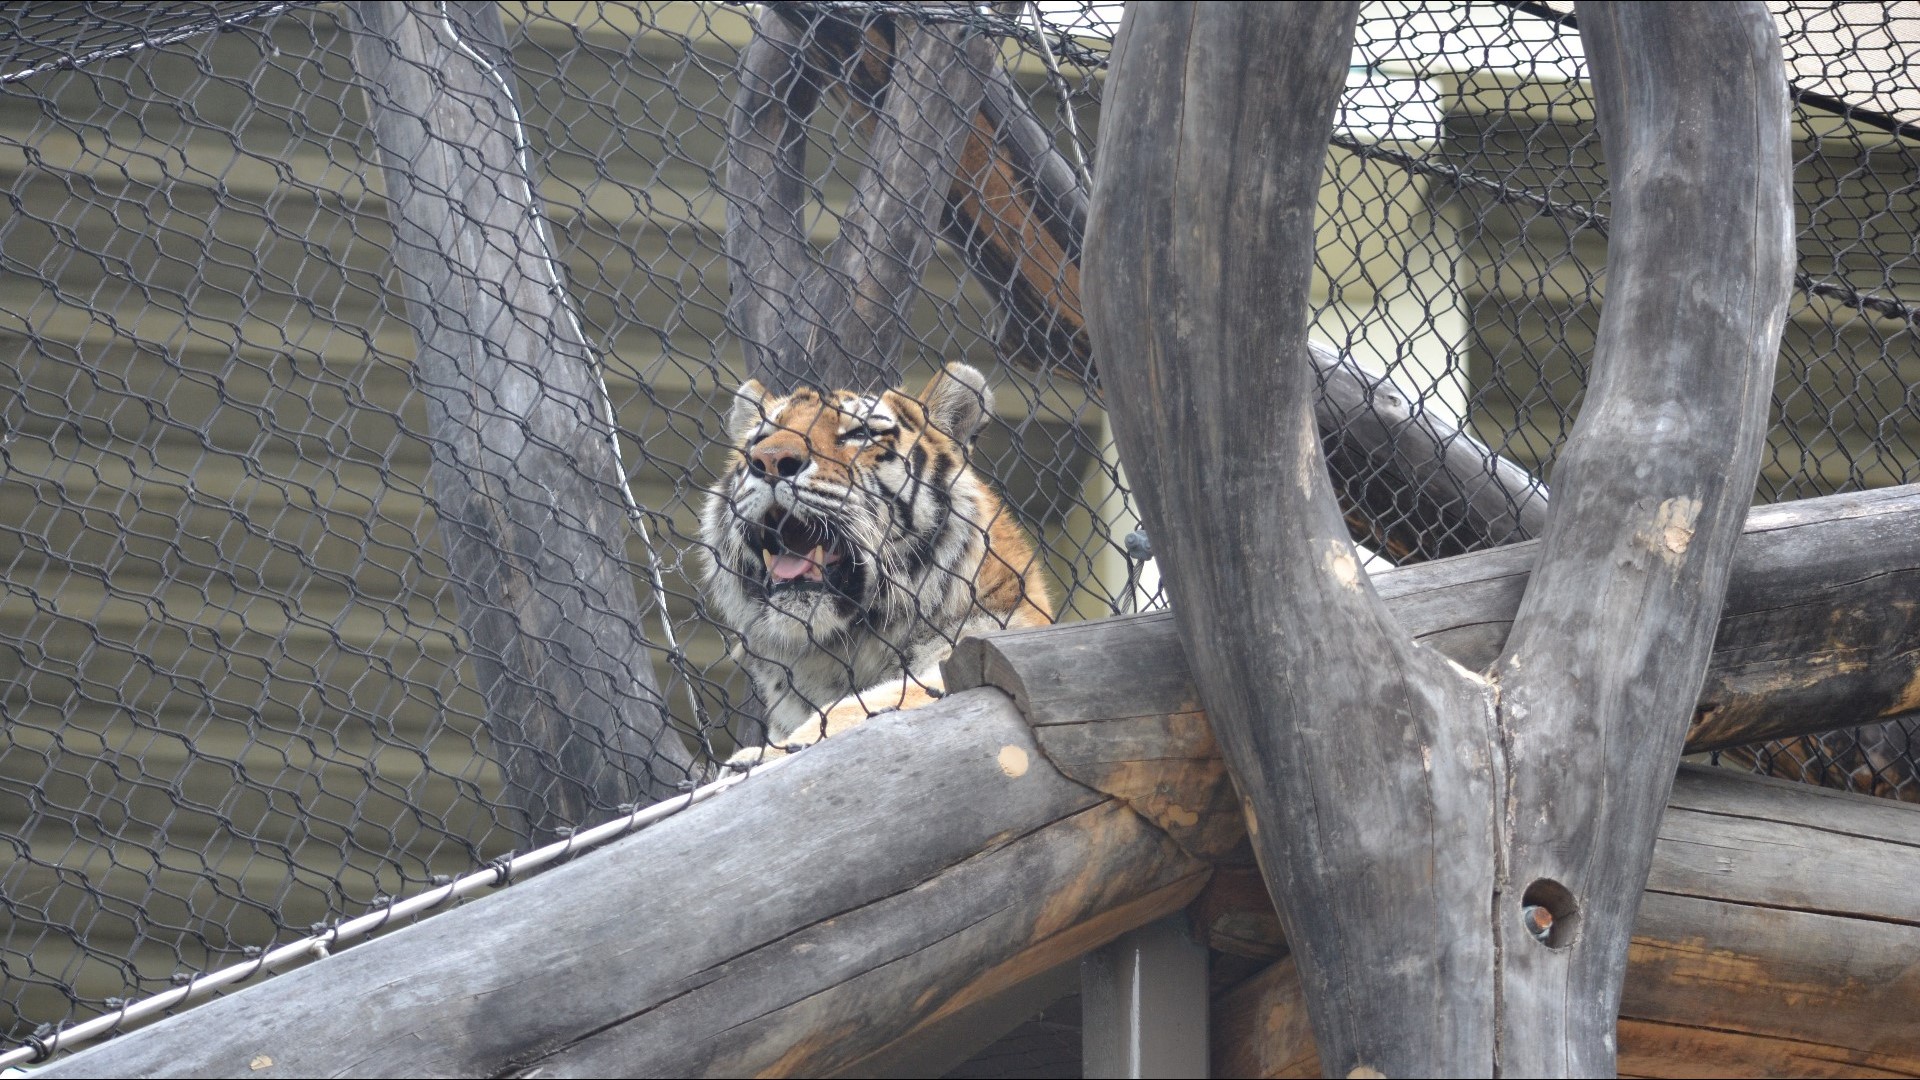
x=1549 y=915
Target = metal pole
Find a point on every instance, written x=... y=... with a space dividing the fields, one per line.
x=1144 y=1005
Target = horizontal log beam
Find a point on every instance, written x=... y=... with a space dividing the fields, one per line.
x=1015 y=212
x=1821 y=630
x=1776 y=938
x=823 y=917
x=810 y=920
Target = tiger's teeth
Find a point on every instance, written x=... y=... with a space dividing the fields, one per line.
x=767 y=557
x=816 y=563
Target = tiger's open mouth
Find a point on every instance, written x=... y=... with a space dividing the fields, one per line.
x=800 y=553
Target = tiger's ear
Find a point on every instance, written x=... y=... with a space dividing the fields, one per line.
x=747 y=411
x=956 y=401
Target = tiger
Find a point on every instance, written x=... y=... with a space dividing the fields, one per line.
x=851 y=543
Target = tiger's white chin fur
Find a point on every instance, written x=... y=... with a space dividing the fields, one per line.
x=848 y=547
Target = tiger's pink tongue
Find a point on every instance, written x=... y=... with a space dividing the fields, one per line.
x=792 y=568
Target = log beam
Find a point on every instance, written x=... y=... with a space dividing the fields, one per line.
x=1612 y=640
x=808 y=921
x=839 y=320
x=1412 y=485
x=1776 y=938
x=855 y=308
x=766 y=190
x=825 y=916
x=1016 y=212
x=1820 y=631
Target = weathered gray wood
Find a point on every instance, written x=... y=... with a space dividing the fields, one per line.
x=1818 y=632
x=1796 y=987
x=1611 y=643
x=525 y=483
x=856 y=310
x=910 y=870
x=1234 y=915
x=1392 y=795
x=1776 y=938
x=1016 y=212
x=1413 y=485
x=766 y=191
x=1167 y=767
x=806 y=920
x=1820 y=629
x=1214 y=133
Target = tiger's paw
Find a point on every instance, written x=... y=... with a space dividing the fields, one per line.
x=748 y=756
x=848 y=713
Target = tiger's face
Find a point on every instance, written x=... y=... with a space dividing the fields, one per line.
x=836 y=503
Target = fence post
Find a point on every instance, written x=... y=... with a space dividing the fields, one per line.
x=1143 y=1005
x=533 y=507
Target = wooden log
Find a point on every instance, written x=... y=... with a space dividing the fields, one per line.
x=1820 y=630
x=1762 y=689
x=1016 y=211
x=839 y=321
x=858 y=304
x=1214 y=131
x=1391 y=793
x=766 y=191
x=1413 y=485
x=810 y=919
x=823 y=917
x=529 y=494
x=1776 y=938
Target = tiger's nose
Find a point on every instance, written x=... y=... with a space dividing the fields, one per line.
x=778 y=460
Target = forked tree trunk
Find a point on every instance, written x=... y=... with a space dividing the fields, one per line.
x=840 y=320
x=1410 y=815
x=926 y=863
x=1412 y=484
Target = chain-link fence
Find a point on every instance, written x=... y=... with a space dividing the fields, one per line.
x=326 y=576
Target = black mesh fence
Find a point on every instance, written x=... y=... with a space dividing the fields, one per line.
x=369 y=370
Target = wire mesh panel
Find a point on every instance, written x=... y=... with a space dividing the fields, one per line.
x=299 y=299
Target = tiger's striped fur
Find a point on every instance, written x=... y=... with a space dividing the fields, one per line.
x=851 y=545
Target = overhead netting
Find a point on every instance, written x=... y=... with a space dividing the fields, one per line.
x=247 y=691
